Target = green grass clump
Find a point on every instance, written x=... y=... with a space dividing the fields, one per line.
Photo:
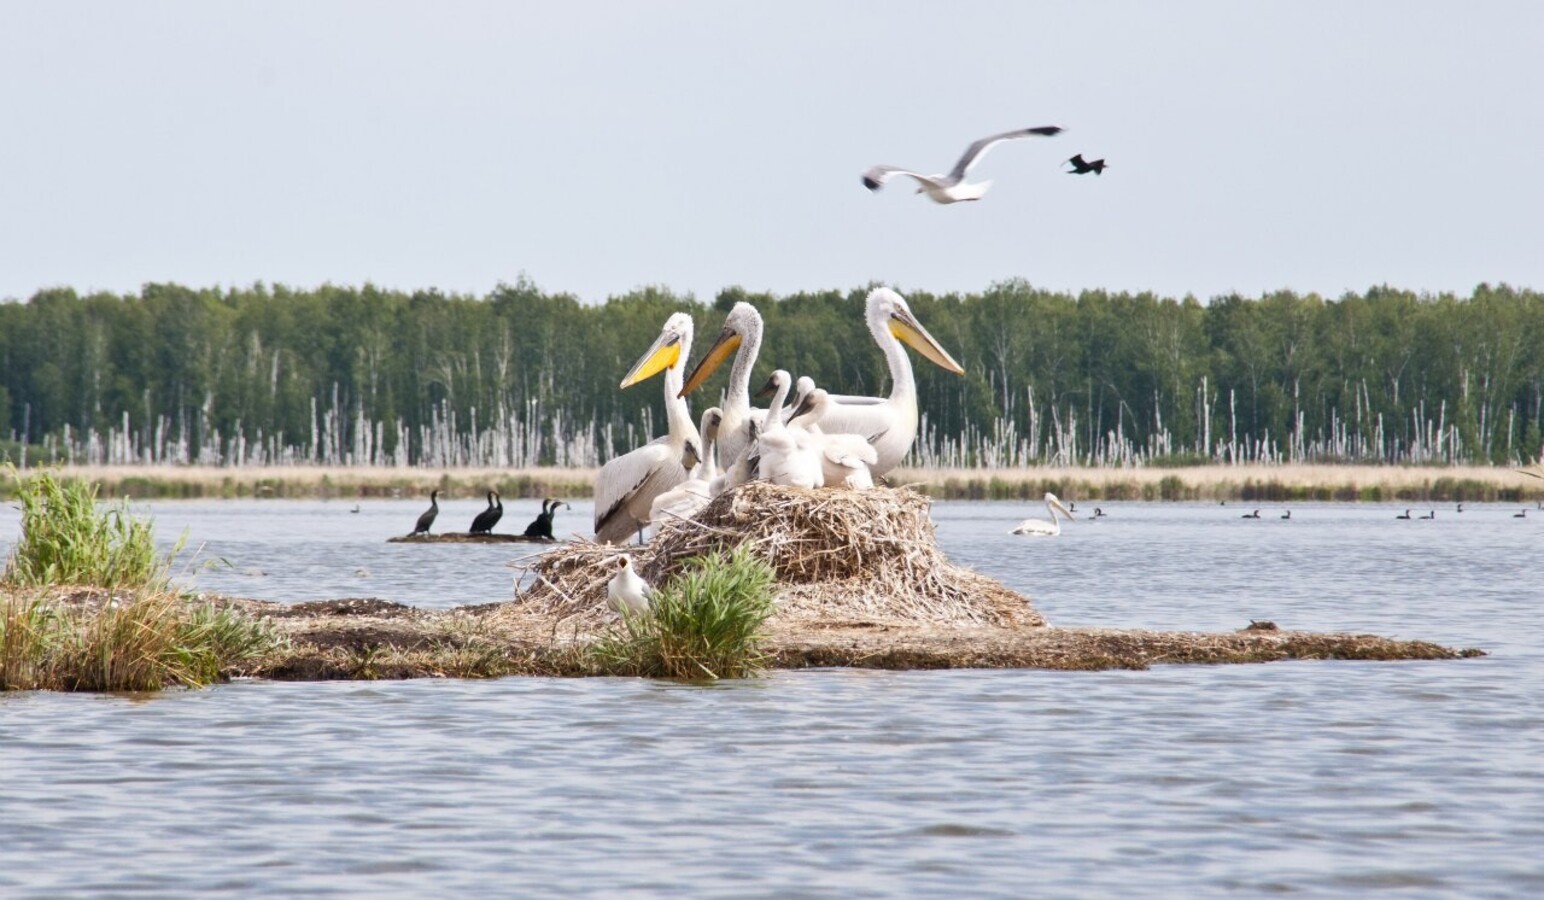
x=66 y=539
x=142 y=641
x=704 y=623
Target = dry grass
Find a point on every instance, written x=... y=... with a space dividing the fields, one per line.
x=839 y=556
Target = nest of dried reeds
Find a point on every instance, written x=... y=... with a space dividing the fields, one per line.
x=842 y=557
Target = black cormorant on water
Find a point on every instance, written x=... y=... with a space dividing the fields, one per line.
x=427 y=519
x=1251 y=515
x=1287 y=514
x=1405 y=516
x=489 y=517
x=542 y=527
x=1430 y=515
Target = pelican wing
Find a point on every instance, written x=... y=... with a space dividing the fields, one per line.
x=626 y=488
x=875 y=178
x=978 y=149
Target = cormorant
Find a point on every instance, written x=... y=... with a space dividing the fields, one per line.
x=542 y=527
x=427 y=519
x=489 y=517
x=1081 y=166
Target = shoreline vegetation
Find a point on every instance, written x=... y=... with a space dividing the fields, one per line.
x=1249 y=483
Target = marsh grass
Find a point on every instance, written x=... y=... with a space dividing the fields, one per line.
x=704 y=624
x=126 y=641
x=67 y=539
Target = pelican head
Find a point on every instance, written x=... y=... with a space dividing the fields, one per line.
x=1053 y=502
x=691 y=456
x=778 y=379
x=743 y=324
x=888 y=310
x=665 y=352
x=712 y=417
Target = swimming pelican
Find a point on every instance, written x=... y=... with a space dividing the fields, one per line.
x=628 y=484
x=690 y=496
x=1040 y=527
x=786 y=458
x=953 y=188
x=844 y=458
x=742 y=337
x=427 y=519
x=541 y=527
x=1252 y=515
x=889 y=423
x=1405 y=516
x=627 y=592
x=484 y=521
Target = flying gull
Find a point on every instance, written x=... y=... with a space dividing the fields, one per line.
x=953 y=188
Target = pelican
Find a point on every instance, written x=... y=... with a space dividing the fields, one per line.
x=889 y=423
x=427 y=519
x=627 y=592
x=628 y=484
x=953 y=188
x=785 y=457
x=1252 y=515
x=742 y=337
x=1040 y=527
x=801 y=389
x=484 y=521
x=744 y=468
x=1405 y=516
x=844 y=458
x=690 y=496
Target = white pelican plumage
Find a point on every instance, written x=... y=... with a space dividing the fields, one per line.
x=1042 y=528
x=627 y=593
x=844 y=458
x=744 y=467
x=953 y=188
x=785 y=457
x=628 y=484
x=689 y=497
x=889 y=423
x=741 y=336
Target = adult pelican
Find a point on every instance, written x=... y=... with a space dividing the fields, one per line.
x=628 y=484
x=690 y=496
x=888 y=423
x=742 y=337
x=1040 y=527
x=844 y=458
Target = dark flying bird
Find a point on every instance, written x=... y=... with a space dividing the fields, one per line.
x=1080 y=166
x=489 y=517
x=953 y=188
x=427 y=519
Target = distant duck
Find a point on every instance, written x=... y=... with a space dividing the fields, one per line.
x=627 y=593
x=1405 y=516
x=1287 y=514
x=1430 y=515
x=542 y=526
x=1251 y=515
x=427 y=519
x=1520 y=515
x=485 y=520
x=1098 y=513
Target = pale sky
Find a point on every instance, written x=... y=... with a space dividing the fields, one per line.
x=601 y=146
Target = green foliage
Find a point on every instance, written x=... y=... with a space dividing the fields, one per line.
x=140 y=641
x=704 y=623
x=67 y=539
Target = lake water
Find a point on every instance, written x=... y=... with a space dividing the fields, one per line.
x=1324 y=778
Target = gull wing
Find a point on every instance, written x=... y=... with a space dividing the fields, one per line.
x=875 y=178
x=979 y=148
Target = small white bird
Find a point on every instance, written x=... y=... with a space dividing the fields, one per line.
x=844 y=458
x=953 y=188
x=1042 y=528
x=627 y=592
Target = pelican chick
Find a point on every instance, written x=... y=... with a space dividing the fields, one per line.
x=785 y=458
x=627 y=593
x=844 y=458
x=1040 y=527
x=627 y=485
x=888 y=423
x=688 y=498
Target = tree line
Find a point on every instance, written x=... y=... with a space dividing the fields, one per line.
x=362 y=375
